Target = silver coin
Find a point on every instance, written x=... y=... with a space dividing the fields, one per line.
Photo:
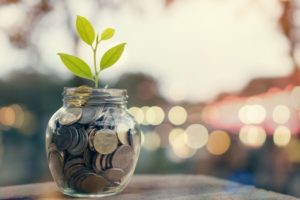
x=105 y=141
x=72 y=162
x=70 y=116
x=122 y=132
x=63 y=138
x=108 y=161
x=56 y=167
x=75 y=137
x=92 y=183
x=114 y=175
x=69 y=172
x=97 y=163
x=91 y=134
x=82 y=143
x=89 y=114
x=123 y=158
x=73 y=181
x=88 y=156
x=103 y=162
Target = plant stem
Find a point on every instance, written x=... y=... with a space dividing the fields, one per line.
x=96 y=77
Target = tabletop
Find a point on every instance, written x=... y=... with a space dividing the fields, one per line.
x=154 y=187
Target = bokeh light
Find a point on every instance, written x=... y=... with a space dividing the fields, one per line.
x=137 y=113
x=218 y=142
x=292 y=150
x=281 y=114
x=19 y=111
x=145 y=109
x=155 y=115
x=252 y=136
x=196 y=136
x=7 y=116
x=175 y=135
x=29 y=126
x=282 y=136
x=295 y=96
x=183 y=151
x=177 y=115
x=179 y=147
x=210 y=114
x=151 y=141
x=252 y=114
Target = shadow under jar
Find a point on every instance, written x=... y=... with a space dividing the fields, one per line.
x=92 y=142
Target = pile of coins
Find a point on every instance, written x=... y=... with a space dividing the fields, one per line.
x=90 y=150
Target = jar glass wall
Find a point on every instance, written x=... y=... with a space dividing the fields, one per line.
x=92 y=142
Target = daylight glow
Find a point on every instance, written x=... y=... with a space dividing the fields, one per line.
x=184 y=62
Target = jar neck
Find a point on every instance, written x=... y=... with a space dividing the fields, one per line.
x=86 y=96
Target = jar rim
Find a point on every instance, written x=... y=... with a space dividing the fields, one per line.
x=109 y=90
x=77 y=96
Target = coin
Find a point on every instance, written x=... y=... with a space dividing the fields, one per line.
x=135 y=139
x=77 y=102
x=105 y=141
x=72 y=162
x=123 y=157
x=82 y=143
x=83 y=89
x=130 y=136
x=92 y=183
x=75 y=137
x=104 y=162
x=56 y=166
x=114 y=175
x=73 y=181
x=87 y=156
x=52 y=147
x=97 y=163
x=69 y=172
x=89 y=114
x=91 y=138
x=70 y=116
x=109 y=159
x=122 y=132
x=62 y=138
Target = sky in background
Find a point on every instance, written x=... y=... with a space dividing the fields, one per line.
x=195 y=48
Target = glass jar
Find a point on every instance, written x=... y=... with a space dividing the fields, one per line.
x=92 y=142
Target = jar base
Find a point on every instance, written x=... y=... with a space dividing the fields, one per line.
x=72 y=193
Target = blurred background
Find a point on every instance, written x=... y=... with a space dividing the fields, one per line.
x=214 y=83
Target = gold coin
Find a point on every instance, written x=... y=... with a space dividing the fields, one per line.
x=70 y=116
x=105 y=141
x=92 y=183
x=77 y=102
x=114 y=175
x=83 y=89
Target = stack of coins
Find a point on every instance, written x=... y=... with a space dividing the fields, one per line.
x=91 y=150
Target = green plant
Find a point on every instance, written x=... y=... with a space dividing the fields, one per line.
x=87 y=33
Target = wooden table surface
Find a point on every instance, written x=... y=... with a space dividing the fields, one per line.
x=175 y=187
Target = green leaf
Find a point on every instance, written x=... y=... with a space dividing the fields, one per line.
x=76 y=65
x=111 y=56
x=107 y=33
x=85 y=30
